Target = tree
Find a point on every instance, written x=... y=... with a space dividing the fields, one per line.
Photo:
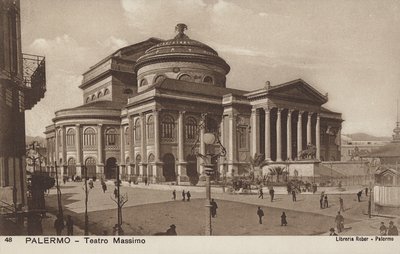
x=278 y=171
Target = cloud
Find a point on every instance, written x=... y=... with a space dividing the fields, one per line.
x=113 y=43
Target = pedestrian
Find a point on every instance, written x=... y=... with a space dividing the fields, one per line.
x=339 y=220
x=116 y=193
x=366 y=191
x=359 y=195
x=261 y=194
x=332 y=232
x=214 y=207
x=341 y=204
x=188 y=195
x=171 y=230
x=392 y=229
x=145 y=180
x=91 y=185
x=183 y=195
x=283 y=219
x=382 y=229
x=272 y=193
x=70 y=225
x=59 y=224
x=321 y=202
x=104 y=187
x=294 y=195
x=326 y=205
x=174 y=195
x=260 y=214
x=64 y=179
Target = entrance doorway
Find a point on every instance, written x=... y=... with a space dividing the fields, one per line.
x=169 y=167
x=110 y=170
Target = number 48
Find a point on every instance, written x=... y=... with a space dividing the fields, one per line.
x=8 y=239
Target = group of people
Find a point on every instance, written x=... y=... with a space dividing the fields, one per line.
x=185 y=195
x=59 y=225
x=323 y=201
x=271 y=193
x=260 y=214
x=390 y=230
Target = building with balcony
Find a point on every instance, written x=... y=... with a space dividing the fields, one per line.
x=143 y=105
x=22 y=85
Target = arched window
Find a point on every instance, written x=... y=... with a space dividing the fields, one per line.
x=137 y=162
x=70 y=137
x=93 y=97
x=99 y=94
x=191 y=128
x=89 y=137
x=208 y=79
x=137 y=129
x=111 y=137
x=90 y=164
x=150 y=127
x=106 y=92
x=71 y=167
x=127 y=160
x=185 y=77
x=87 y=99
x=143 y=82
x=167 y=127
x=159 y=78
x=127 y=136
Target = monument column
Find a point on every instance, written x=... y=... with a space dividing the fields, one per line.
x=279 y=136
x=78 y=150
x=100 y=160
x=289 y=134
x=267 y=134
x=318 y=137
x=309 y=140
x=299 y=134
x=181 y=155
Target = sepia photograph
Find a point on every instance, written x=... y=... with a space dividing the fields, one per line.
x=129 y=120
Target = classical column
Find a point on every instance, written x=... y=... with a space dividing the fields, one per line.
x=156 y=135
x=100 y=163
x=232 y=145
x=131 y=145
x=309 y=140
x=267 y=133
x=64 y=149
x=181 y=156
x=78 y=150
x=279 y=136
x=299 y=133
x=122 y=151
x=254 y=132
x=289 y=134
x=143 y=153
x=202 y=145
x=318 y=137
x=56 y=150
x=222 y=139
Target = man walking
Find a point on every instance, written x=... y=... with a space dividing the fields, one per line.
x=214 y=207
x=294 y=195
x=366 y=191
x=382 y=229
x=359 y=195
x=392 y=229
x=326 y=205
x=183 y=195
x=339 y=220
x=261 y=193
x=188 y=195
x=272 y=193
x=174 y=195
x=260 y=214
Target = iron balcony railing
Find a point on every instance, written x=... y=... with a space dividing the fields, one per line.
x=34 y=78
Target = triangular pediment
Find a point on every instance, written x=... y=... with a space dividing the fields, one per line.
x=297 y=90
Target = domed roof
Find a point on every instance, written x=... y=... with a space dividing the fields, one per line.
x=181 y=48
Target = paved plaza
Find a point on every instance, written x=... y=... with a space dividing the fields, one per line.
x=150 y=209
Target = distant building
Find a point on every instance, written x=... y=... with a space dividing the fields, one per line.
x=144 y=104
x=354 y=150
x=22 y=85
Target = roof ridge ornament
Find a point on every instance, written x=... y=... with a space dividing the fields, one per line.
x=180 y=28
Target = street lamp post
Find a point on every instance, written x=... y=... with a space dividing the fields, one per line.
x=209 y=162
x=86 y=202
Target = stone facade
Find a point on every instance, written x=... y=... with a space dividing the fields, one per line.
x=156 y=103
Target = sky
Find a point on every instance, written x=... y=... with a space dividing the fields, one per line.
x=348 y=49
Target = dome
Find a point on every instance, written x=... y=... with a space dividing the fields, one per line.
x=181 y=49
